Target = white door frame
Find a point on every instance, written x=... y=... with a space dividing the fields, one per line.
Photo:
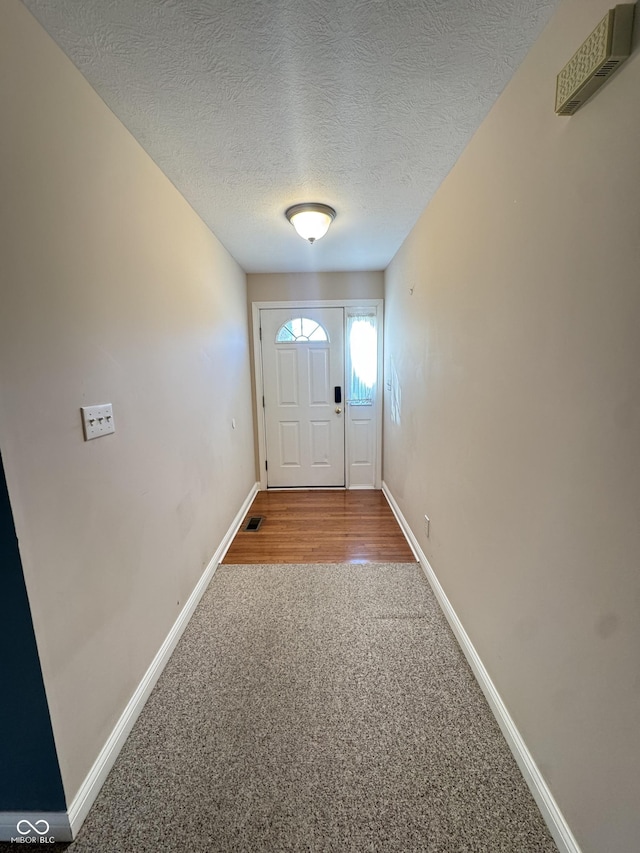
x=259 y=382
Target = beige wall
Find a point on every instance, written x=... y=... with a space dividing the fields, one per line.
x=112 y=291
x=513 y=327
x=286 y=287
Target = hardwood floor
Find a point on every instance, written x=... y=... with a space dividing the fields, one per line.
x=317 y=526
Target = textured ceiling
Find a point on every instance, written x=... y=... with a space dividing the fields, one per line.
x=249 y=106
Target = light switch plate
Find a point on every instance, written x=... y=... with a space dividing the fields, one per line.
x=97 y=420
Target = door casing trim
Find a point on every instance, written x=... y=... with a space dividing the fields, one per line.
x=259 y=381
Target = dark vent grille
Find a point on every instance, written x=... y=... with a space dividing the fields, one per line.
x=253 y=523
x=569 y=108
x=607 y=68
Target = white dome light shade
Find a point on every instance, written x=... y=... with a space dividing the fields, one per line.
x=311 y=221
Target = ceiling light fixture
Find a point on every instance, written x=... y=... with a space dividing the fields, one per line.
x=311 y=220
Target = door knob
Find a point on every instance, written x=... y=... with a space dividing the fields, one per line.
x=338 y=410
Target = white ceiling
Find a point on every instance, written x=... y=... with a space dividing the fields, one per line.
x=249 y=106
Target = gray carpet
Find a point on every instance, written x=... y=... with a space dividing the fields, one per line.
x=316 y=708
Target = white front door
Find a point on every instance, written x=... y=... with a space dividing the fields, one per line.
x=303 y=381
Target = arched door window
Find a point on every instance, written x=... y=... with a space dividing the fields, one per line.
x=301 y=330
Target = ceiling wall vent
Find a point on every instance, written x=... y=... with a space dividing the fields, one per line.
x=596 y=60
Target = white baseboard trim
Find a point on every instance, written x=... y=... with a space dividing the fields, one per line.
x=553 y=817
x=96 y=777
x=34 y=827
